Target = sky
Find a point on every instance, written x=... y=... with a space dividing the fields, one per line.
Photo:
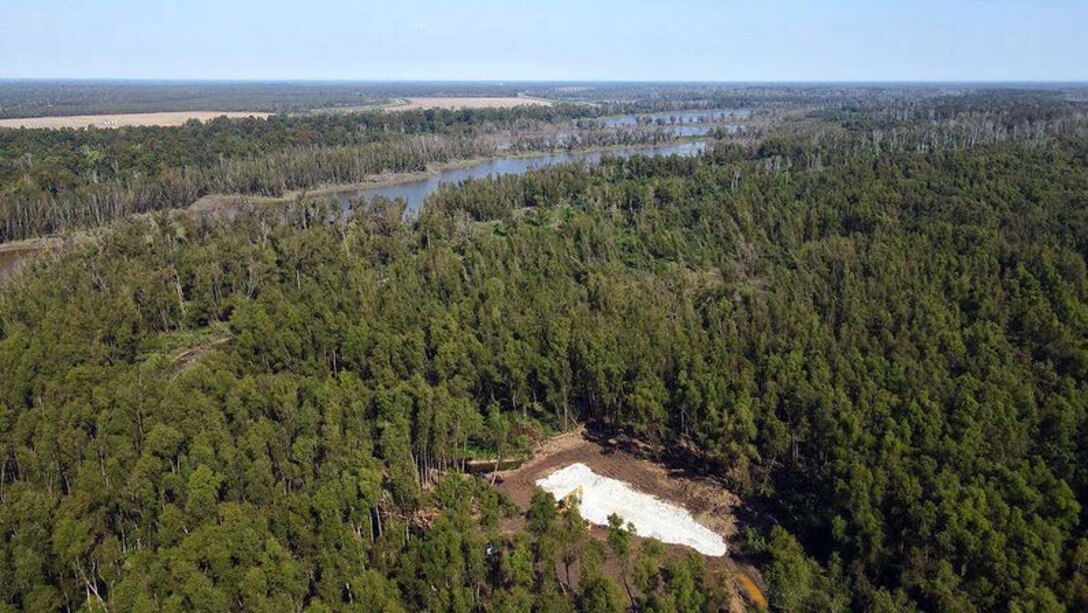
x=662 y=40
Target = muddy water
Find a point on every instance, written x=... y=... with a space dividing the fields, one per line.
x=414 y=192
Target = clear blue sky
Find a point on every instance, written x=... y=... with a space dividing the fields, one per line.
x=725 y=40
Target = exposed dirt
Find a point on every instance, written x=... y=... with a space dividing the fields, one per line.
x=125 y=119
x=707 y=500
x=710 y=503
x=465 y=103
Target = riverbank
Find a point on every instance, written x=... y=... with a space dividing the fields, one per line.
x=386 y=179
x=213 y=202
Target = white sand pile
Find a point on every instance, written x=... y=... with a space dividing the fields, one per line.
x=602 y=497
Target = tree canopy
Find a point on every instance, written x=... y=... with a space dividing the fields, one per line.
x=884 y=346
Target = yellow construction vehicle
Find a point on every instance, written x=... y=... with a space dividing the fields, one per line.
x=752 y=591
x=572 y=499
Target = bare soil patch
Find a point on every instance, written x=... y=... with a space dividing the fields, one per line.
x=711 y=504
x=127 y=119
x=706 y=499
x=466 y=103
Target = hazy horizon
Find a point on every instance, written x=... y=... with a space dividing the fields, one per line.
x=816 y=82
x=789 y=41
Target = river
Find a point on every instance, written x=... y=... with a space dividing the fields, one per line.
x=414 y=192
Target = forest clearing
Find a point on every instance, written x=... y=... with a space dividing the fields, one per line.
x=707 y=502
x=703 y=501
x=598 y=498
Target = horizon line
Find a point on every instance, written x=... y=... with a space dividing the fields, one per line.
x=557 y=81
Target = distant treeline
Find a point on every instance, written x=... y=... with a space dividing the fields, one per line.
x=33 y=98
x=649 y=97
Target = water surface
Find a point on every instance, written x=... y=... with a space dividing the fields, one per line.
x=414 y=192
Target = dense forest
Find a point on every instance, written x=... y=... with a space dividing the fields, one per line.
x=871 y=324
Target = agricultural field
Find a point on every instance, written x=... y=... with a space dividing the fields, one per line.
x=176 y=118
